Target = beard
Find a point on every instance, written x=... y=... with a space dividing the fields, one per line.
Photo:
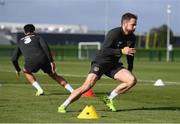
x=131 y=31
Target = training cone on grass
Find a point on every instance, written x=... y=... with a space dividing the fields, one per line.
x=159 y=82
x=89 y=112
x=89 y=93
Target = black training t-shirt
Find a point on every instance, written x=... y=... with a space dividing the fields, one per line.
x=33 y=48
x=114 y=41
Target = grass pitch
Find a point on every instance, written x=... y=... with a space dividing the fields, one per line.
x=144 y=103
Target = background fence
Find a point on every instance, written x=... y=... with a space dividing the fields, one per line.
x=70 y=52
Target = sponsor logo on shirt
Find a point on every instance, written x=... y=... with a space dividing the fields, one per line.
x=27 y=40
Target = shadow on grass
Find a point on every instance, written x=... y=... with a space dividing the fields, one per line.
x=79 y=111
x=153 y=108
x=100 y=94
x=54 y=94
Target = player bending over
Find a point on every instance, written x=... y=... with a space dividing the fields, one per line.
x=119 y=41
x=37 y=56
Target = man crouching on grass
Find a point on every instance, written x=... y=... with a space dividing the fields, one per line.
x=37 y=56
x=119 y=41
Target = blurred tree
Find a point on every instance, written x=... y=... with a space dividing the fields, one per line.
x=158 y=37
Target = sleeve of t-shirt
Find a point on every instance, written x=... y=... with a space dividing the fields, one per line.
x=107 y=48
x=46 y=49
x=15 y=56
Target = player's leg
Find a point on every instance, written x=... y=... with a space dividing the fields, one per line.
x=46 y=67
x=89 y=83
x=60 y=80
x=31 y=78
x=128 y=80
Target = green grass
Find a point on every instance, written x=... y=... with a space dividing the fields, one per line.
x=144 y=103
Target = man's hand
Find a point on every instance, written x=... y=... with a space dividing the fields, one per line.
x=128 y=51
x=53 y=67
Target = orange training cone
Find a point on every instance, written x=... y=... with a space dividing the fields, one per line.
x=89 y=93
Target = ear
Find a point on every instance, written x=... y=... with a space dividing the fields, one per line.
x=125 y=22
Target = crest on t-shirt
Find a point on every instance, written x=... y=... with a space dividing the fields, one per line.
x=96 y=69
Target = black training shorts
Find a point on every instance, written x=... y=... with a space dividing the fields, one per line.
x=109 y=69
x=34 y=66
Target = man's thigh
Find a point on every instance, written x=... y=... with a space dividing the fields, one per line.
x=124 y=75
x=113 y=69
x=90 y=80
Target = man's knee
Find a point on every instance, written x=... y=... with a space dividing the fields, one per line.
x=132 y=81
x=53 y=75
x=86 y=87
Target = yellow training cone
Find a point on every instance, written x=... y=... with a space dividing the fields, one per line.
x=88 y=112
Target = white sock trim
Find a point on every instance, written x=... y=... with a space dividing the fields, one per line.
x=66 y=103
x=37 y=86
x=112 y=94
x=69 y=88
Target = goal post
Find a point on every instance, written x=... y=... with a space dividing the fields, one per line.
x=87 y=50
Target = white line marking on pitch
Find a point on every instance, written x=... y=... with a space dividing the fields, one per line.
x=83 y=76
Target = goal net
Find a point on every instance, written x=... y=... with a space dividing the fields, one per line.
x=88 y=50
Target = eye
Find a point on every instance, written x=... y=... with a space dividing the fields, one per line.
x=133 y=24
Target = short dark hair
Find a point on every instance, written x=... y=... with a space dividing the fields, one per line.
x=128 y=16
x=29 y=28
